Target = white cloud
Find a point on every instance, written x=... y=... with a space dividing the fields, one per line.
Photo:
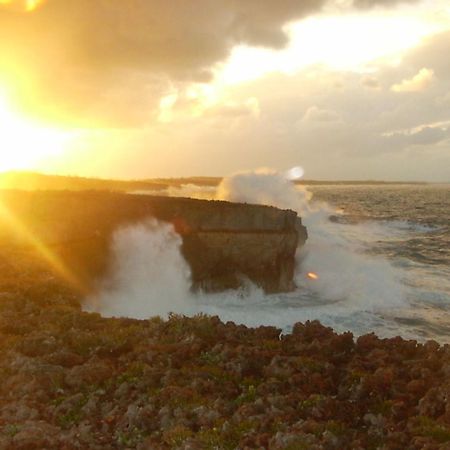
x=188 y=105
x=233 y=109
x=417 y=83
x=316 y=114
x=426 y=134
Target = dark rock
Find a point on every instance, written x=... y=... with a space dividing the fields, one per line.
x=224 y=243
x=93 y=372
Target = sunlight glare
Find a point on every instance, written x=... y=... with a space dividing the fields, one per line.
x=24 y=144
x=339 y=42
x=22 y=232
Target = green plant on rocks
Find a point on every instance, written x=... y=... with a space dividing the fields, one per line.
x=11 y=430
x=177 y=435
x=130 y=438
x=248 y=395
x=428 y=427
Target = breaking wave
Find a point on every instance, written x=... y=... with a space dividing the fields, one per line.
x=149 y=275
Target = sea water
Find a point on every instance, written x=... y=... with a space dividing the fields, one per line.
x=381 y=254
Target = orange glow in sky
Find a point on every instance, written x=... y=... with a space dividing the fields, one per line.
x=313 y=85
x=23 y=5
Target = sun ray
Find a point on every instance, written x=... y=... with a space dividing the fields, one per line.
x=19 y=230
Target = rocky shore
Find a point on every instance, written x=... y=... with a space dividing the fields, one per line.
x=224 y=243
x=74 y=380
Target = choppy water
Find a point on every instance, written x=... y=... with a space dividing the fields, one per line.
x=411 y=229
x=382 y=254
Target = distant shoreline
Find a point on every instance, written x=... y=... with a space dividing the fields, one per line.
x=39 y=181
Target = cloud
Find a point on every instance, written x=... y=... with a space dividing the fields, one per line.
x=383 y=3
x=433 y=53
x=417 y=83
x=108 y=62
x=316 y=114
x=430 y=135
x=101 y=58
x=187 y=106
x=424 y=135
x=231 y=110
x=370 y=82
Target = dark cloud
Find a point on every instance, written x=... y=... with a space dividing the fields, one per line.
x=101 y=58
x=113 y=59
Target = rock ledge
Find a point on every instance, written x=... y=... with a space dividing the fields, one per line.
x=224 y=243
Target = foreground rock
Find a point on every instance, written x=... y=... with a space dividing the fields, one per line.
x=73 y=380
x=224 y=243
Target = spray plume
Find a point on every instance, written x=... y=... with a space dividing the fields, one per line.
x=336 y=279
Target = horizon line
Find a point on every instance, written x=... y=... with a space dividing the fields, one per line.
x=214 y=177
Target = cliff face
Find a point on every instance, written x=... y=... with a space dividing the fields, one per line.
x=224 y=243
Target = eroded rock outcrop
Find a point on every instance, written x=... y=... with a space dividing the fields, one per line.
x=224 y=243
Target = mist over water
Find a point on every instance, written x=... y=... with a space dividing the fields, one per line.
x=359 y=286
x=149 y=275
x=333 y=251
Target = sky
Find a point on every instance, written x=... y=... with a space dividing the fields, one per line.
x=346 y=89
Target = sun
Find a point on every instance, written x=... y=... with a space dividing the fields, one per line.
x=25 y=144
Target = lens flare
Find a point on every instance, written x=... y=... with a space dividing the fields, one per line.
x=295 y=173
x=312 y=276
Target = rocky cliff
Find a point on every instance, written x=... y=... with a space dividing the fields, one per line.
x=224 y=243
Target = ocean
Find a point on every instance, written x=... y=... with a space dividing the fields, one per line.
x=408 y=226
x=381 y=254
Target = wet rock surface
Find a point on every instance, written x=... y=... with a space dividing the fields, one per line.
x=74 y=380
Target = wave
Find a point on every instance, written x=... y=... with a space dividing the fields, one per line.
x=150 y=277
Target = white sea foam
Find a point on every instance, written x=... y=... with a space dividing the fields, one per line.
x=150 y=277
x=334 y=251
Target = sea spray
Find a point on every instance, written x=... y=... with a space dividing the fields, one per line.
x=150 y=277
x=264 y=187
x=334 y=251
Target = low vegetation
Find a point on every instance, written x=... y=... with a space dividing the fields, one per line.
x=74 y=380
